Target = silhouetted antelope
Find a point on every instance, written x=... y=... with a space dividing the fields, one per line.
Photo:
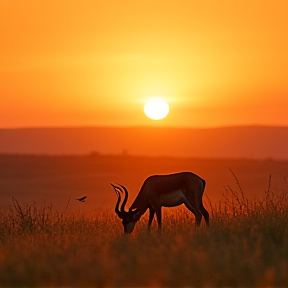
x=163 y=190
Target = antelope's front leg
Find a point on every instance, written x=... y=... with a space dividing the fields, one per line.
x=151 y=216
x=159 y=217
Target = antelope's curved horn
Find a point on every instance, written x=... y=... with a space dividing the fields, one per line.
x=125 y=199
x=118 y=200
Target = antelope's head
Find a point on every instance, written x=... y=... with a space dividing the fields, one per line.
x=129 y=218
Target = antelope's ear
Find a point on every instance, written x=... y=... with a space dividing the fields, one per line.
x=134 y=210
x=136 y=215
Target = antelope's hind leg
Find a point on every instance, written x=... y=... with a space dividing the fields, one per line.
x=205 y=214
x=197 y=213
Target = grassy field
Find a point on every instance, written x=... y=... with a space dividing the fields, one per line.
x=246 y=246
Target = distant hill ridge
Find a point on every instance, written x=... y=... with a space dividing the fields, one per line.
x=258 y=142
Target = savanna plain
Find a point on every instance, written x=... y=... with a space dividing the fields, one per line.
x=47 y=238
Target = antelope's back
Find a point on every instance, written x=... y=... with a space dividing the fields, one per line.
x=172 y=182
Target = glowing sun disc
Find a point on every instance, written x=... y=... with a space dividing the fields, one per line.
x=156 y=108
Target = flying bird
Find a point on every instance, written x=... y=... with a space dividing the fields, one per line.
x=82 y=199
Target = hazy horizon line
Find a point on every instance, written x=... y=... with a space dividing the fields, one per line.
x=95 y=154
x=141 y=126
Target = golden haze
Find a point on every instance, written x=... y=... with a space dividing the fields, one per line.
x=93 y=62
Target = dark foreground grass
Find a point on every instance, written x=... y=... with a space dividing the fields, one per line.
x=246 y=245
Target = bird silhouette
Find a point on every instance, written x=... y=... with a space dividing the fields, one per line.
x=82 y=199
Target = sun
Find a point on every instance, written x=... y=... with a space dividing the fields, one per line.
x=156 y=108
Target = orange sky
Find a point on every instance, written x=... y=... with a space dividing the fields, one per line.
x=81 y=62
